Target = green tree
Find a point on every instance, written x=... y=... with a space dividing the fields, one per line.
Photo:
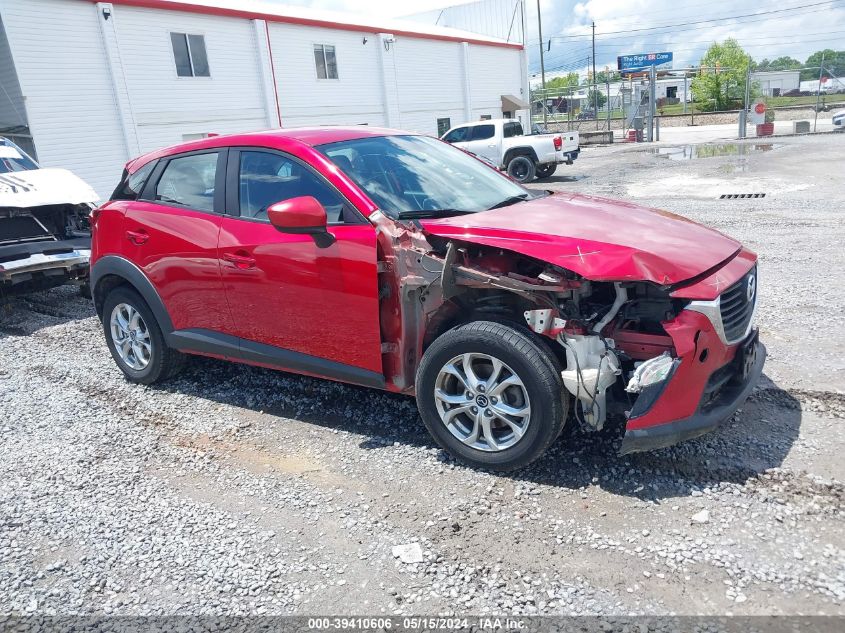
x=592 y=96
x=781 y=63
x=569 y=80
x=603 y=76
x=722 y=80
x=834 y=64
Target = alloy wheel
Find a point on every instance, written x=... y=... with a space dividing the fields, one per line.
x=130 y=336
x=482 y=402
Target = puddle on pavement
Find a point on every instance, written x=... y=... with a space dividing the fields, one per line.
x=712 y=150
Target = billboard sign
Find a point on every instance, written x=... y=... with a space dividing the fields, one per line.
x=631 y=63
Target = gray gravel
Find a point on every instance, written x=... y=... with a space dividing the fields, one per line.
x=236 y=490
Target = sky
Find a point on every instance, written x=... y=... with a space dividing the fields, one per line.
x=685 y=27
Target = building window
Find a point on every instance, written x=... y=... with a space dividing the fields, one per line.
x=189 y=53
x=486 y=117
x=443 y=126
x=326 y=61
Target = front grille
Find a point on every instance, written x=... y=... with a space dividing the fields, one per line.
x=736 y=308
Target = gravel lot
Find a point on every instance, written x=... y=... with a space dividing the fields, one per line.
x=235 y=490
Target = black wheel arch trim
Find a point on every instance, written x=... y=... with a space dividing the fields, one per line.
x=120 y=267
x=513 y=152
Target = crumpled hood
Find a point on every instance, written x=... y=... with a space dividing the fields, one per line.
x=38 y=187
x=597 y=238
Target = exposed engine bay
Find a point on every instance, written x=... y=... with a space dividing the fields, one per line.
x=45 y=234
x=608 y=336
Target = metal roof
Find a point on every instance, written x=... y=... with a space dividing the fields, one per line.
x=272 y=12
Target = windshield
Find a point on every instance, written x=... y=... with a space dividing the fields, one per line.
x=418 y=176
x=13 y=158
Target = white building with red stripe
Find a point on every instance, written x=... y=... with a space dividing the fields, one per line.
x=88 y=85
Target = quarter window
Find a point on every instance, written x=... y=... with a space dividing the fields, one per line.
x=132 y=184
x=266 y=178
x=189 y=182
x=324 y=57
x=190 y=55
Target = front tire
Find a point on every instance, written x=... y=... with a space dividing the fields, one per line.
x=490 y=396
x=521 y=169
x=135 y=340
x=546 y=171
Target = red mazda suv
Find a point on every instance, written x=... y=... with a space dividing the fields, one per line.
x=392 y=260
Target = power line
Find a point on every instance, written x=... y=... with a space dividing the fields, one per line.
x=774 y=36
x=626 y=33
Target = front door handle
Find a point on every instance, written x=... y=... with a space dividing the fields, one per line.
x=137 y=237
x=241 y=260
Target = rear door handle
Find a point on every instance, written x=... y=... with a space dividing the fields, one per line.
x=137 y=237
x=240 y=260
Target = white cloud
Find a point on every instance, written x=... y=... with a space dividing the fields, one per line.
x=796 y=33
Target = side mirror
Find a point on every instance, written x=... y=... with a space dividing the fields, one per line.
x=301 y=216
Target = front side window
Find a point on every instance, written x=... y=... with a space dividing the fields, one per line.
x=188 y=181
x=190 y=55
x=458 y=135
x=266 y=178
x=483 y=132
x=324 y=57
x=419 y=176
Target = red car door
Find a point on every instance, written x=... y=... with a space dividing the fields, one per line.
x=294 y=304
x=171 y=233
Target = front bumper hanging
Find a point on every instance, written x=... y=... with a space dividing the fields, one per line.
x=730 y=387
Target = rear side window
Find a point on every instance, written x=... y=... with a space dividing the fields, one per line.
x=482 y=132
x=458 y=135
x=512 y=129
x=131 y=185
x=189 y=182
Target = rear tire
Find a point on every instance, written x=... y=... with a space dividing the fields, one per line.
x=135 y=339
x=521 y=169
x=546 y=171
x=503 y=416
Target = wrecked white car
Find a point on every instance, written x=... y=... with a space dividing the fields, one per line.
x=45 y=236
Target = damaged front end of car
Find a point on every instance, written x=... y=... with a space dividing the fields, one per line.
x=45 y=233
x=632 y=350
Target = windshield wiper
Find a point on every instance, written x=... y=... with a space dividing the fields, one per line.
x=509 y=201
x=431 y=213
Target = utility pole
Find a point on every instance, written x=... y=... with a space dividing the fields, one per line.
x=607 y=103
x=818 y=93
x=595 y=79
x=652 y=95
x=743 y=118
x=542 y=65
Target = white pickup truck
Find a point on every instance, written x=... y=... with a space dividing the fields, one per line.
x=503 y=143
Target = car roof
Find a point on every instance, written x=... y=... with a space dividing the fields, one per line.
x=486 y=122
x=310 y=136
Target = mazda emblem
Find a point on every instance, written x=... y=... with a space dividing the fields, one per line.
x=751 y=288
